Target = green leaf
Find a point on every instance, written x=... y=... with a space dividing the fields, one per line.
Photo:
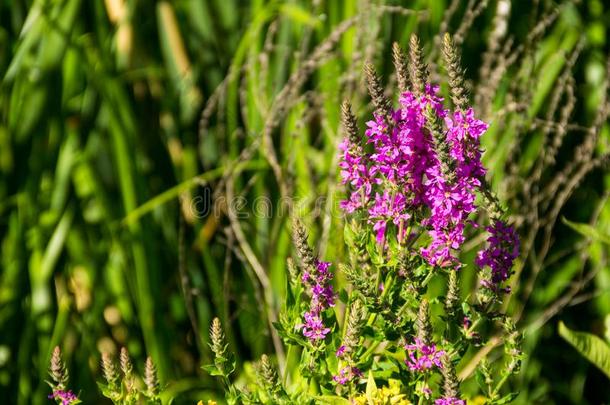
x=332 y=400
x=299 y=15
x=590 y=346
x=507 y=398
x=588 y=231
x=212 y=370
x=371 y=388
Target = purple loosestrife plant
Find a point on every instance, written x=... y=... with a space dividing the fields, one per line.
x=59 y=381
x=499 y=256
x=119 y=387
x=402 y=330
x=322 y=297
x=64 y=397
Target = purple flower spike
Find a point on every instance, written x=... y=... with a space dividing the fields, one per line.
x=502 y=251
x=318 y=284
x=401 y=174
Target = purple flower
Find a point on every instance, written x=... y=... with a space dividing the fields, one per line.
x=449 y=401
x=66 y=397
x=387 y=208
x=400 y=175
x=451 y=204
x=398 y=160
x=314 y=328
x=353 y=170
x=346 y=374
x=340 y=351
x=422 y=356
x=502 y=251
x=320 y=289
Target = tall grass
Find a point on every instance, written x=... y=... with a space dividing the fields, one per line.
x=124 y=122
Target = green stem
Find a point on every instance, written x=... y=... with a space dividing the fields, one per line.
x=428 y=278
x=473 y=326
x=370 y=351
x=499 y=385
x=289 y=354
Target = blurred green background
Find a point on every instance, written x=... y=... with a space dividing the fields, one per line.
x=127 y=125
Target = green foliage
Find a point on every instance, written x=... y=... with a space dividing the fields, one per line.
x=103 y=152
x=590 y=346
x=588 y=231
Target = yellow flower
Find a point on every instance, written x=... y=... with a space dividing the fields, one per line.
x=210 y=402
x=389 y=395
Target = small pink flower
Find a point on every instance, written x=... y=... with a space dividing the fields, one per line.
x=346 y=374
x=66 y=397
x=503 y=249
x=423 y=357
x=449 y=401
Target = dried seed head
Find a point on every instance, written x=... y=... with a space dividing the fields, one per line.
x=126 y=366
x=402 y=70
x=217 y=337
x=512 y=347
x=441 y=146
x=355 y=323
x=418 y=71
x=376 y=91
x=455 y=72
x=109 y=369
x=150 y=377
x=350 y=125
x=299 y=237
x=422 y=324
x=223 y=359
x=58 y=370
x=492 y=204
x=293 y=271
x=268 y=375
x=127 y=369
x=357 y=243
x=451 y=386
x=453 y=293
x=359 y=278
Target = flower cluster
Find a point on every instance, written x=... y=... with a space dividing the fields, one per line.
x=346 y=374
x=404 y=174
x=502 y=251
x=318 y=284
x=423 y=356
x=390 y=394
x=67 y=397
x=449 y=401
x=451 y=203
x=413 y=180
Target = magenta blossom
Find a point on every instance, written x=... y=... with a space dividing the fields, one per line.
x=401 y=174
x=449 y=401
x=318 y=285
x=313 y=327
x=422 y=356
x=346 y=374
x=502 y=251
x=66 y=397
